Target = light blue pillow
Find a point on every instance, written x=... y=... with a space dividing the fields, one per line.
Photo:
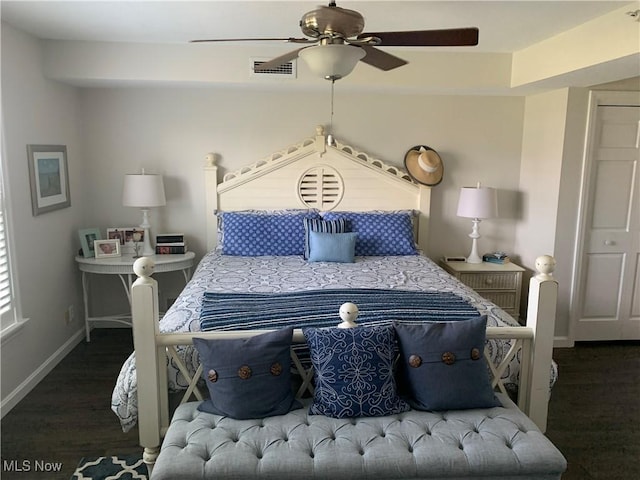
x=323 y=226
x=353 y=371
x=442 y=365
x=380 y=233
x=332 y=247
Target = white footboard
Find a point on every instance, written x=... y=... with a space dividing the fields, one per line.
x=534 y=341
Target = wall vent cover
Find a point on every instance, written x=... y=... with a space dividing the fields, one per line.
x=286 y=70
x=321 y=187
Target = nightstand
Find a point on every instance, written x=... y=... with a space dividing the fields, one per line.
x=499 y=283
x=123 y=267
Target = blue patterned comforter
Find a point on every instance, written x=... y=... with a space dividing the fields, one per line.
x=265 y=275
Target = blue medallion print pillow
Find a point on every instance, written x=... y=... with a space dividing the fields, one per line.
x=353 y=371
x=442 y=365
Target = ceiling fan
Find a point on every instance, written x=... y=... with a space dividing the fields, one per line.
x=340 y=42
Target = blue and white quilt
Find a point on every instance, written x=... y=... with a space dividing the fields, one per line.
x=287 y=274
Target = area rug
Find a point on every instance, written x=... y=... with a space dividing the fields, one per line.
x=121 y=467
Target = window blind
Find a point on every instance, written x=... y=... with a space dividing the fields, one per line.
x=7 y=310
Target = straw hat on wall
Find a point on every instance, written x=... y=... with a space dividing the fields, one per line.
x=424 y=165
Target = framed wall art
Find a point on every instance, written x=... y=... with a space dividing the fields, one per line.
x=49 y=178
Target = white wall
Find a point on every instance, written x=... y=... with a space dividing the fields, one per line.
x=169 y=131
x=39 y=111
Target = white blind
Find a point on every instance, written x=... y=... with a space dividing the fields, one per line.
x=7 y=311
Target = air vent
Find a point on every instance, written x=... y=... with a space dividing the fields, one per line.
x=320 y=187
x=286 y=70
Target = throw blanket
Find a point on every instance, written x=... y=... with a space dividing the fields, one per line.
x=319 y=308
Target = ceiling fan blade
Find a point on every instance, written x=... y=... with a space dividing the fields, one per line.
x=276 y=62
x=453 y=37
x=289 y=40
x=379 y=59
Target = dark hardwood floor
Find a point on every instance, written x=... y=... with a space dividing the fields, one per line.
x=594 y=416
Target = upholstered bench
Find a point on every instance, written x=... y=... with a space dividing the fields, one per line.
x=495 y=443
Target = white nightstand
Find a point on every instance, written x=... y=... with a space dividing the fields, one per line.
x=499 y=283
x=123 y=267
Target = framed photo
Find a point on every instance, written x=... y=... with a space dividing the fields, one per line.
x=49 y=178
x=107 y=248
x=129 y=237
x=87 y=237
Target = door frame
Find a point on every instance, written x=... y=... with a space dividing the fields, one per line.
x=596 y=98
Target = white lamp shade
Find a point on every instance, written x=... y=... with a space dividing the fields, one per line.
x=480 y=202
x=143 y=191
x=332 y=61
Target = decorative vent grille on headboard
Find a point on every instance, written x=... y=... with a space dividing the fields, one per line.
x=320 y=187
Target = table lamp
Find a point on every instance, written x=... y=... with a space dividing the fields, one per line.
x=477 y=203
x=144 y=191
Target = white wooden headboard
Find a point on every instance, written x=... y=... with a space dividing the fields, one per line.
x=312 y=174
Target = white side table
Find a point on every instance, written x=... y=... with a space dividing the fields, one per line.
x=123 y=267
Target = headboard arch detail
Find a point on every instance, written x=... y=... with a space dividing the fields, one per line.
x=273 y=182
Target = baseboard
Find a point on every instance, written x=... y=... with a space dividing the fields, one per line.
x=563 y=342
x=42 y=371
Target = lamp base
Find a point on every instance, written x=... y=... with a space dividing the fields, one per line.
x=147 y=249
x=475 y=235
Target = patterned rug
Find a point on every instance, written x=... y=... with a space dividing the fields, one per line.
x=124 y=467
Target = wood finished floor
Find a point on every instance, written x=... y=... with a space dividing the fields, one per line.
x=594 y=416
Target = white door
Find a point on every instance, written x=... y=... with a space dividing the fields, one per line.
x=609 y=293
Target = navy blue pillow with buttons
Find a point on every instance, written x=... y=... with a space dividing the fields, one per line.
x=248 y=377
x=442 y=365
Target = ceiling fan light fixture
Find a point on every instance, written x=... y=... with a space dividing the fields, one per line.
x=332 y=61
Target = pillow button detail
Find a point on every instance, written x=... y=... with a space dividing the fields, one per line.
x=448 y=358
x=276 y=369
x=475 y=354
x=244 y=372
x=415 y=361
x=212 y=376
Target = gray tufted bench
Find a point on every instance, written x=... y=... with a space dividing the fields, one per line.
x=496 y=443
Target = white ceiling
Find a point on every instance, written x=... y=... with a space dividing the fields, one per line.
x=505 y=26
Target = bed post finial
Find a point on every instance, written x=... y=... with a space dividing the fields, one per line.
x=210 y=159
x=545 y=264
x=144 y=267
x=348 y=314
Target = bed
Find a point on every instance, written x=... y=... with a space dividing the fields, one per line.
x=314 y=179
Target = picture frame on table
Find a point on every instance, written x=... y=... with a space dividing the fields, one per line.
x=129 y=237
x=48 y=178
x=107 y=248
x=87 y=237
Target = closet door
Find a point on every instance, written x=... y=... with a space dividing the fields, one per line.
x=610 y=264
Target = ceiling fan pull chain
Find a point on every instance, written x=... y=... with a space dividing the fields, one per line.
x=330 y=140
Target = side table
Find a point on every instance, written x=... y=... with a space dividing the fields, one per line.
x=499 y=283
x=123 y=267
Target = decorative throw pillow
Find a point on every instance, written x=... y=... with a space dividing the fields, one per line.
x=323 y=226
x=379 y=233
x=248 y=377
x=353 y=371
x=332 y=247
x=253 y=234
x=442 y=365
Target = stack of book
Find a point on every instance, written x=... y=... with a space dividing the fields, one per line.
x=496 y=257
x=167 y=243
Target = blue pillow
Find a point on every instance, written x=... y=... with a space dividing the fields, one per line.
x=257 y=234
x=353 y=371
x=379 y=233
x=319 y=225
x=332 y=247
x=442 y=365
x=248 y=377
